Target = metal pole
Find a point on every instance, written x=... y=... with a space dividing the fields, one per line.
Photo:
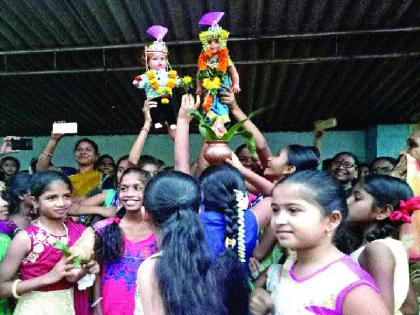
x=234 y=39
x=244 y=62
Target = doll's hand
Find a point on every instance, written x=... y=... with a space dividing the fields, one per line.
x=6 y=146
x=136 y=81
x=236 y=89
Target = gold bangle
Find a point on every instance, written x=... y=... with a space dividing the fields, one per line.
x=47 y=154
x=14 y=288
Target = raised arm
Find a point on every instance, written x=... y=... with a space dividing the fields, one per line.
x=47 y=154
x=263 y=150
x=137 y=148
x=261 y=184
x=182 y=142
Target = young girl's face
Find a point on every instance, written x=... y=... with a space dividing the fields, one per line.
x=157 y=61
x=131 y=192
x=298 y=222
x=151 y=168
x=55 y=201
x=9 y=167
x=4 y=208
x=277 y=164
x=344 y=168
x=121 y=167
x=360 y=205
x=107 y=166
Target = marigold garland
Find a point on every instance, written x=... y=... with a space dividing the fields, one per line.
x=166 y=90
x=223 y=60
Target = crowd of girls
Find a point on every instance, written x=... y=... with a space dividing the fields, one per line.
x=257 y=235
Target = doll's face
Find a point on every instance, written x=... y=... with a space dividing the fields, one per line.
x=157 y=61
x=214 y=45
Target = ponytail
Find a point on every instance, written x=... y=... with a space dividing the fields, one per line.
x=109 y=245
x=184 y=251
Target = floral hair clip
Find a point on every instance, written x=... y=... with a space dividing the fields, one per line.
x=241 y=205
x=406 y=207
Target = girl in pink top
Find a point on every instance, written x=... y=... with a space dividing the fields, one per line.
x=308 y=208
x=124 y=242
x=46 y=277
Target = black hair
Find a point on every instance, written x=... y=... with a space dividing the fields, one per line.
x=386 y=158
x=326 y=164
x=10 y=158
x=18 y=186
x=302 y=157
x=326 y=191
x=240 y=148
x=41 y=180
x=172 y=199
x=147 y=159
x=218 y=184
x=91 y=142
x=109 y=246
x=354 y=157
x=104 y=156
x=386 y=190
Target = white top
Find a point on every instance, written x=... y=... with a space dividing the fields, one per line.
x=401 y=273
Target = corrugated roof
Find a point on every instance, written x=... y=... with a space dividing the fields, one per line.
x=71 y=60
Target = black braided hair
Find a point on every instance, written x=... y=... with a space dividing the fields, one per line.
x=386 y=191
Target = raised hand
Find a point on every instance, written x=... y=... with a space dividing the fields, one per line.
x=6 y=147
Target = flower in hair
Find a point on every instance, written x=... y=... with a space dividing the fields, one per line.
x=241 y=206
x=116 y=220
x=406 y=207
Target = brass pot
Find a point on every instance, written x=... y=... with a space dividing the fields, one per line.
x=216 y=152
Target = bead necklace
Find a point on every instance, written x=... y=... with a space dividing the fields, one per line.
x=63 y=239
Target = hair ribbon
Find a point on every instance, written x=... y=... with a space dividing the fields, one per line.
x=406 y=207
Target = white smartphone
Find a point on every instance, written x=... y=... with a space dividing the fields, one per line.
x=65 y=128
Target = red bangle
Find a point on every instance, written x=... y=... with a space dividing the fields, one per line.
x=145 y=129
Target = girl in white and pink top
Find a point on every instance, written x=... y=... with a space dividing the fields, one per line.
x=308 y=208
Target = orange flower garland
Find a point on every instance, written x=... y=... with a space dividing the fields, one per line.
x=208 y=101
x=223 y=60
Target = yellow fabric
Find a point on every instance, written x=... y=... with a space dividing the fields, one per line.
x=46 y=303
x=84 y=183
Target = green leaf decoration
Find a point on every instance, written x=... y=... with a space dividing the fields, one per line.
x=77 y=262
x=249 y=141
x=205 y=130
x=62 y=248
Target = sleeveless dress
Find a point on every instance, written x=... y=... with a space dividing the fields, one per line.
x=321 y=293
x=401 y=273
x=57 y=298
x=118 y=284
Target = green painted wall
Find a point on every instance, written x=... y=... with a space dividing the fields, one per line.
x=366 y=144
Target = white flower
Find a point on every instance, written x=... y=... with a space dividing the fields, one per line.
x=38 y=248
